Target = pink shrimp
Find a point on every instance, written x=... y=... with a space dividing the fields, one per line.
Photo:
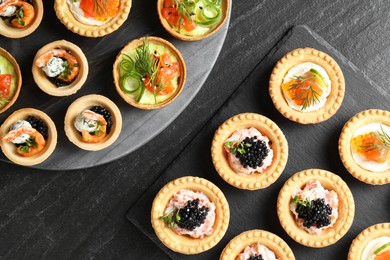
x=102 y=125
x=26 y=8
x=39 y=143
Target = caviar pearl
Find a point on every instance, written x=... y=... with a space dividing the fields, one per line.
x=317 y=213
x=192 y=216
x=255 y=152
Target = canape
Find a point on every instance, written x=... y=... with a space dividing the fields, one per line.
x=192 y=20
x=190 y=215
x=10 y=80
x=257 y=244
x=28 y=137
x=93 y=122
x=92 y=18
x=149 y=73
x=364 y=146
x=249 y=151
x=315 y=207
x=60 y=68
x=20 y=18
x=307 y=86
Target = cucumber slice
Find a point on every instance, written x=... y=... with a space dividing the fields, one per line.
x=130 y=83
x=319 y=75
x=382 y=248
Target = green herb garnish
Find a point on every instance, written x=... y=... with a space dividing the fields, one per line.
x=308 y=97
x=30 y=142
x=172 y=218
x=99 y=130
x=303 y=203
x=383 y=139
x=237 y=146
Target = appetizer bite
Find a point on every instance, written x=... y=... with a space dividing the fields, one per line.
x=190 y=215
x=192 y=20
x=257 y=244
x=10 y=80
x=364 y=146
x=315 y=208
x=60 y=68
x=149 y=73
x=28 y=137
x=92 y=18
x=249 y=151
x=307 y=86
x=20 y=18
x=93 y=122
x=373 y=243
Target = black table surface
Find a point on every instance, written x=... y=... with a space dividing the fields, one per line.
x=81 y=214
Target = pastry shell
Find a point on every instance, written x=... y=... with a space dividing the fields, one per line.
x=182 y=243
x=69 y=20
x=333 y=101
x=271 y=241
x=9 y=149
x=12 y=32
x=268 y=128
x=18 y=84
x=167 y=26
x=329 y=181
x=49 y=87
x=361 y=241
x=87 y=102
x=357 y=121
x=135 y=44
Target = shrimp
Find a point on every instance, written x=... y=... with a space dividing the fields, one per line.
x=71 y=71
x=38 y=146
x=21 y=20
x=102 y=125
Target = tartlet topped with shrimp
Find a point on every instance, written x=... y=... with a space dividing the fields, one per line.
x=28 y=137
x=93 y=122
x=60 y=68
x=20 y=18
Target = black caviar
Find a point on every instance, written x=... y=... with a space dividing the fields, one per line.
x=106 y=114
x=316 y=213
x=39 y=125
x=192 y=216
x=256 y=257
x=255 y=152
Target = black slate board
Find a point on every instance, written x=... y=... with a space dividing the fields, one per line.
x=310 y=146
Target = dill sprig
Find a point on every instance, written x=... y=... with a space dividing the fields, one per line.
x=185 y=8
x=236 y=146
x=171 y=218
x=301 y=202
x=382 y=137
x=100 y=6
x=308 y=97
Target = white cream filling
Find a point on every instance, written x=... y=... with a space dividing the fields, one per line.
x=79 y=14
x=81 y=123
x=9 y=11
x=368 y=252
x=21 y=139
x=54 y=67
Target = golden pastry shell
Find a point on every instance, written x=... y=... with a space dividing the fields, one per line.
x=329 y=181
x=18 y=84
x=268 y=128
x=87 y=102
x=334 y=72
x=361 y=241
x=182 y=243
x=357 y=121
x=49 y=87
x=67 y=18
x=167 y=26
x=135 y=44
x=12 y=32
x=9 y=149
x=271 y=241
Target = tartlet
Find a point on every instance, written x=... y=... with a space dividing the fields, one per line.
x=9 y=149
x=361 y=241
x=266 y=127
x=271 y=241
x=11 y=32
x=223 y=13
x=334 y=96
x=13 y=95
x=86 y=103
x=48 y=86
x=66 y=16
x=151 y=44
x=331 y=182
x=362 y=119
x=183 y=243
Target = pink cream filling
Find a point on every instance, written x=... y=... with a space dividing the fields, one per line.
x=256 y=249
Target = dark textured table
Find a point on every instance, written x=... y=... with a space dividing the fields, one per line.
x=81 y=214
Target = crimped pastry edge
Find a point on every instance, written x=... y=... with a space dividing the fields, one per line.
x=344 y=145
x=247 y=238
x=186 y=244
x=46 y=85
x=364 y=237
x=346 y=209
x=66 y=17
x=86 y=102
x=334 y=99
x=9 y=149
x=266 y=127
